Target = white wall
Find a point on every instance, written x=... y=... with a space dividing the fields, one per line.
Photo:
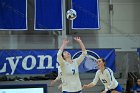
x=125 y=42
x=126 y=17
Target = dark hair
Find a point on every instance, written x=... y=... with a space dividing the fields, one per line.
x=63 y=55
x=138 y=78
x=103 y=61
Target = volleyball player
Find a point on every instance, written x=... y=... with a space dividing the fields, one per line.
x=70 y=74
x=106 y=76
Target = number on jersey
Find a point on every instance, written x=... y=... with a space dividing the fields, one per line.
x=73 y=70
x=104 y=81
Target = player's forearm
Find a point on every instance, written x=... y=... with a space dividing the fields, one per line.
x=64 y=43
x=62 y=47
x=88 y=85
x=82 y=46
x=91 y=85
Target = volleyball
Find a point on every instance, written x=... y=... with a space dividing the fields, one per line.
x=71 y=14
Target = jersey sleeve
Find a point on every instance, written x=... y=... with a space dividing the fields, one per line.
x=81 y=57
x=95 y=80
x=60 y=60
x=58 y=78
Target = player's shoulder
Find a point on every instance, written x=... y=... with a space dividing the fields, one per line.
x=74 y=61
x=98 y=71
x=108 y=69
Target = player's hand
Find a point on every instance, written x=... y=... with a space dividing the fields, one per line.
x=52 y=83
x=77 y=39
x=85 y=86
x=65 y=41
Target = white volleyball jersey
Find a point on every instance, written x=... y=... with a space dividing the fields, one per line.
x=107 y=78
x=70 y=73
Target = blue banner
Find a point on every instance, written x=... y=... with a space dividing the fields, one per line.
x=89 y=63
x=87 y=14
x=13 y=14
x=44 y=61
x=48 y=15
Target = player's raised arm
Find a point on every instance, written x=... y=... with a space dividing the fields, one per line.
x=64 y=44
x=59 y=54
x=84 y=52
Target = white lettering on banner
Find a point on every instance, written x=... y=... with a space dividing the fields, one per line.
x=49 y=62
x=14 y=61
x=25 y=60
x=3 y=68
x=13 y=64
x=42 y=60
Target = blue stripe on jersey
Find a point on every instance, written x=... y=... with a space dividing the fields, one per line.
x=109 y=73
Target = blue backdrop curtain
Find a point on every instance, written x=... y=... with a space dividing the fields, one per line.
x=107 y=54
x=13 y=14
x=48 y=15
x=87 y=14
